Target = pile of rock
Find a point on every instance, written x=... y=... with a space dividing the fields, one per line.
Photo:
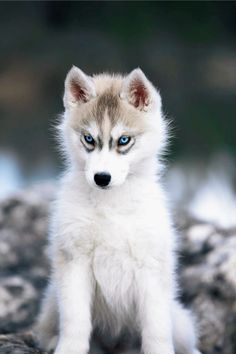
x=208 y=277
x=23 y=260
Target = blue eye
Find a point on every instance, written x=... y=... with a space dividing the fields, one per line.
x=89 y=139
x=124 y=140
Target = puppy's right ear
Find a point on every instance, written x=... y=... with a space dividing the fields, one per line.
x=79 y=88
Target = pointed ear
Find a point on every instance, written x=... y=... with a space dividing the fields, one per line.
x=139 y=91
x=79 y=88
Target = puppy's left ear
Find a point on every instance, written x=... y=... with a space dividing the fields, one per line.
x=139 y=91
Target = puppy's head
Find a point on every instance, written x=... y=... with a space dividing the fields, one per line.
x=112 y=125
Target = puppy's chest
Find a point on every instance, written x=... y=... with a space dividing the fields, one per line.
x=118 y=243
x=118 y=236
x=121 y=247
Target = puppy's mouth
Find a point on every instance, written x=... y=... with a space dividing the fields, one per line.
x=103 y=187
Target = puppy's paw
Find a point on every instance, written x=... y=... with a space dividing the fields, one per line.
x=71 y=347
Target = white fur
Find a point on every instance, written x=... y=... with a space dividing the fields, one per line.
x=113 y=250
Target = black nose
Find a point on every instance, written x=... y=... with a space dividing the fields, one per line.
x=102 y=179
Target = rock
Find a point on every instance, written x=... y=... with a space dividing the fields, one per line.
x=23 y=261
x=208 y=277
x=207 y=274
x=18 y=344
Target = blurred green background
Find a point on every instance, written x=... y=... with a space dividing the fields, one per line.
x=187 y=49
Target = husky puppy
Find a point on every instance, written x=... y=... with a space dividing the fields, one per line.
x=112 y=245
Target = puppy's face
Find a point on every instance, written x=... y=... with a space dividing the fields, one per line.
x=112 y=125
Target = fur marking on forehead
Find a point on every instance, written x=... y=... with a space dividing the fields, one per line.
x=107 y=105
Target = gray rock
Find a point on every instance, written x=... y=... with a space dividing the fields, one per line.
x=23 y=261
x=208 y=277
x=18 y=344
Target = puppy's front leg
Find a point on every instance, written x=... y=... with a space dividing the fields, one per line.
x=154 y=314
x=74 y=291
